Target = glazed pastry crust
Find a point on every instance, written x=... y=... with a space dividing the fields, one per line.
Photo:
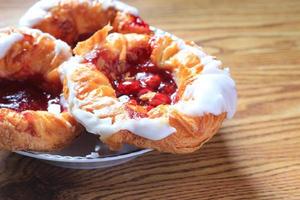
x=36 y=130
x=36 y=54
x=91 y=84
x=192 y=133
x=76 y=20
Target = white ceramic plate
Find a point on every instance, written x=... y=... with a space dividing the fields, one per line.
x=81 y=154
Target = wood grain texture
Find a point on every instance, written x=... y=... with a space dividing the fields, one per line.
x=255 y=156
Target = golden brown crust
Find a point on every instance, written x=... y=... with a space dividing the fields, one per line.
x=36 y=130
x=191 y=132
x=35 y=54
x=76 y=20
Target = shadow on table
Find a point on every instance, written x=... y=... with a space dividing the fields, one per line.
x=211 y=173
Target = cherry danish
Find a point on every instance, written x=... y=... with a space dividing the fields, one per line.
x=32 y=115
x=76 y=20
x=152 y=91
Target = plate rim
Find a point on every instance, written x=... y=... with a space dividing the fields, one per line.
x=78 y=159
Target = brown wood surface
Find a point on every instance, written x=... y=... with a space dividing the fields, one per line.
x=255 y=156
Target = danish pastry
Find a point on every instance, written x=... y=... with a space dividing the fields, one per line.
x=32 y=116
x=76 y=20
x=151 y=91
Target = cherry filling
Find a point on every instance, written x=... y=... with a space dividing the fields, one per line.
x=146 y=85
x=135 y=24
x=25 y=95
x=143 y=82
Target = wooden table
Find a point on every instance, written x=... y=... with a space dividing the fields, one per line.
x=255 y=156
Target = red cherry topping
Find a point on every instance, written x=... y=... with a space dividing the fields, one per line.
x=146 y=78
x=144 y=91
x=137 y=21
x=135 y=24
x=168 y=89
x=153 y=81
x=138 y=77
x=129 y=87
x=138 y=55
x=25 y=95
x=149 y=108
x=160 y=99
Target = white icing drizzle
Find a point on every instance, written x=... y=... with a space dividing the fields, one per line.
x=124 y=99
x=37 y=12
x=61 y=47
x=54 y=109
x=7 y=41
x=40 y=10
x=142 y=127
x=63 y=102
x=213 y=90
